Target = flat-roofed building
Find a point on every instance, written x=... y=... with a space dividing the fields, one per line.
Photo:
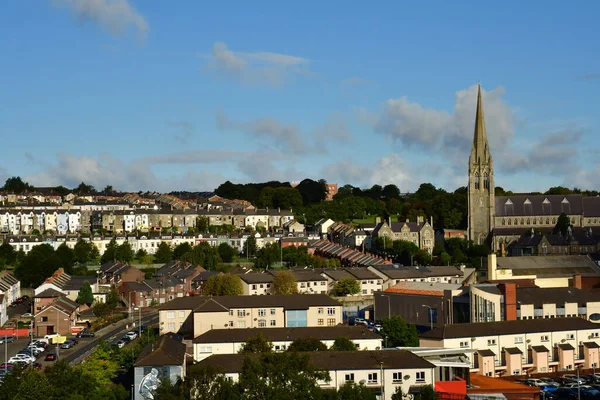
x=523 y=346
x=230 y=341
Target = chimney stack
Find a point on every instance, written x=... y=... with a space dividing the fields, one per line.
x=509 y=290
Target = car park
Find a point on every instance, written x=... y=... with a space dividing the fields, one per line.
x=7 y=339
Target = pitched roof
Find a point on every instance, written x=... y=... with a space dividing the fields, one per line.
x=540 y=349
x=486 y=352
x=256 y=277
x=334 y=360
x=542 y=205
x=539 y=296
x=478 y=329
x=281 y=334
x=167 y=350
x=49 y=293
x=288 y=302
x=549 y=265
x=513 y=350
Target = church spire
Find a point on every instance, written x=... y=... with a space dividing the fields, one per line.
x=480 y=144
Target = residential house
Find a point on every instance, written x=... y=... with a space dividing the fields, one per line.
x=10 y=286
x=113 y=272
x=522 y=347
x=368 y=280
x=44 y=298
x=200 y=280
x=3 y=310
x=165 y=358
x=420 y=233
x=59 y=316
x=393 y=274
x=293 y=226
x=383 y=372
x=67 y=284
x=230 y=341
x=309 y=281
x=256 y=283
x=348 y=256
x=293 y=241
x=195 y=315
x=148 y=292
x=322 y=226
x=180 y=271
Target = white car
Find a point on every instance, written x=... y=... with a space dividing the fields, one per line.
x=131 y=335
x=21 y=358
x=27 y=315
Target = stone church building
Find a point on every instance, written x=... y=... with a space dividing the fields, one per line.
x=501 y=220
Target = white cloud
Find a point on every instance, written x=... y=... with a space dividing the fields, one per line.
x=114 y=15
x=256 y=67
x=288 y=137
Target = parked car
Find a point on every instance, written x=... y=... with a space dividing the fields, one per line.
x=51 y=336
x=51 y=357
x=566 y=393
x=120 y=343
x=85 y=334
x=536 y=382
x=27 y=315
x=131 y=335
x=4 y=366
x=8 y=339
x=67 y=345
x=21 y=358
x=548 y=388
x=41 y=344
x=550 y=381
x=126 y=339
x=31 y=351
x=36 y=365
x=574 y=378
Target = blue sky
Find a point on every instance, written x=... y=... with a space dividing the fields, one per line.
x=185 y=95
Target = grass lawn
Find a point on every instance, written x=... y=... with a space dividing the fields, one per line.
x=371 y=219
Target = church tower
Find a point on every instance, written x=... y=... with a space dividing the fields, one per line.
x=481 y=181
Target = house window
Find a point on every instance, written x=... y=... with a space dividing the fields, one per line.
x=464 y=344
x=181 y=314
x=320 y=321
x=397 y=377
x=349 y=377
x=262 y=323
x=241 y=324
x=253 y=287
x=420 y=376
x=272 y=311
x=545 y=338
x=171 y=326
x=570 y=336
x=241 y=313
x=205 y=349
x=372 y=378
x=517 y=372
x=170 y=314
x=44 y=319
x=320 y=310
x=231 y=313
x=273 y=323
x=331 y=321
x=519 y=339
x=491 y=342
x=262 y=312
x=330 y=310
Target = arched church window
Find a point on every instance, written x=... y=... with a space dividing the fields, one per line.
x=486 y=181
x=547 y=221
x=476 y=180
x=534 y=221
x=516 y=221
x=541 y=221
x=528 y=221
x=522 y=221
x=509 y=221
x=503 y=221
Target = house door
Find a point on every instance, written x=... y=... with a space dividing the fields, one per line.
x=50 y=330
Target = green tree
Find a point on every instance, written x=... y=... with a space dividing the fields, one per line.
x=426 y=392
x=124 y=252
x=343 y=344
x=8 y=254
x=257 y=344
x=226 y=252
x=108 y=189
x=284 y=282
x=110 y=253
x=268 y=255
x=163 y=254
x=141 y=254
x=181 y=249
x=16 y=185
x=101 y=365
x=223 y=285
x=398 y=333
x=562 y=224
x=113 y=298
x=281 y=376
x=83 y=250
x=353 y=391
x=202 y=224
x=66 y=256
x=201 y=383
x=307 y=344
x=249 y=248
x=34 y=267
x=312 y=191
x=287 y=198
x=85 y=295
x=346 y=286
x=84 y=188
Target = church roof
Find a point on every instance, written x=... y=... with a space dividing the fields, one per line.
x=534 y=205
x=480 y=149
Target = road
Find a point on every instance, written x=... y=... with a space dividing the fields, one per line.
x=86 y=346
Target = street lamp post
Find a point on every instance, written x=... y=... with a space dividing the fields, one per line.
x=430 y=316
x=129 y=304
x=389 y=314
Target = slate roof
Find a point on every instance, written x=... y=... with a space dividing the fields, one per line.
x=406 y=272
x=525 y=205
x=334 y=360
x=167 y=350
x=48 y=293
x=549 y=265
x=566 y=346
x=486 y=353
x=256 y=277
x=288 y=302
x=540 y=296
x=479 y=329
x=540 y=349
x=282 y=334
x=513 y=350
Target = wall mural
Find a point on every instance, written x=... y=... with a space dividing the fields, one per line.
x=151 y=381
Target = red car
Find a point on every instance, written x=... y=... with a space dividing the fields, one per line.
x=6 y=365
x=51 y=357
